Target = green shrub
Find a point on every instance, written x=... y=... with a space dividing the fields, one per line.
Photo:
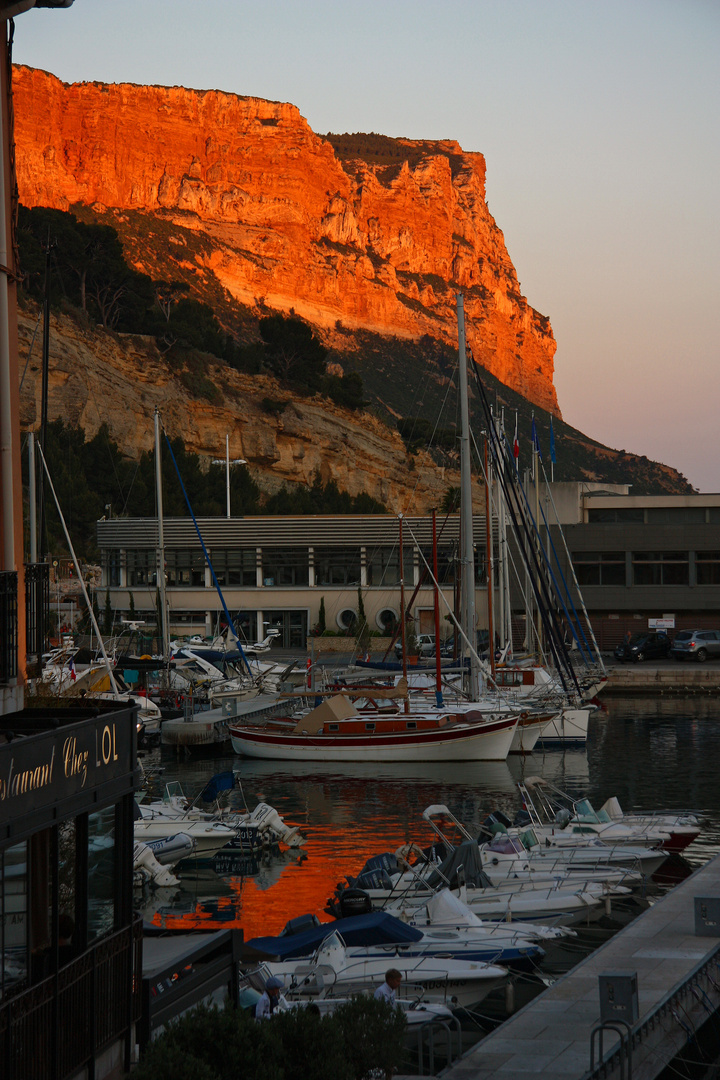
x=372 y=1033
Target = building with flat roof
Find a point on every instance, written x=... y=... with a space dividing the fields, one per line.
x=635 y=558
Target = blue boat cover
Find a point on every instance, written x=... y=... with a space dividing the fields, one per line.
x=377 y=928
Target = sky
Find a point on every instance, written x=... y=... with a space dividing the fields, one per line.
x=600 y=125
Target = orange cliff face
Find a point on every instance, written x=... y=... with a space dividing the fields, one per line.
x=287 y=220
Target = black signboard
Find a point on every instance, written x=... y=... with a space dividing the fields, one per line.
x=41 y=769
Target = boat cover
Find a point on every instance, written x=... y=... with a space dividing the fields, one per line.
x=467 y=856
x=377 y=928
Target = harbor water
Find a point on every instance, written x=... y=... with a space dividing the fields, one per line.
x=650 y=753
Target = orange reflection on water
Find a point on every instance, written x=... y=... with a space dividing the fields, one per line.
x=293 y=883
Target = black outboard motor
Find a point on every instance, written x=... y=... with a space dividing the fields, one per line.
x=354 y=902
x=522 y=819
x=299 y=924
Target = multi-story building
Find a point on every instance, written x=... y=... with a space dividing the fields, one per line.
x=636 y=558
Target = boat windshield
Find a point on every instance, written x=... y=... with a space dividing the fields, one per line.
x=506 y=845
x=173 y=790
x=584 y=811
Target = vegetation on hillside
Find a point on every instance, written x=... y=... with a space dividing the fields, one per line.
x=197 y=323
x=93 y=479
x=89 y=272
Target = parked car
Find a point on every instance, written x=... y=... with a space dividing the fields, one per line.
x=425 y=645
x=700 y=644
x=644 y=646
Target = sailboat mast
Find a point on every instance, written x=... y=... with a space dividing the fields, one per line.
x=436 y=600
x=161 y=541
x=467 y=557
x=489 y=564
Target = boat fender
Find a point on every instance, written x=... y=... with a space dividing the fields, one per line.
x=404 y=852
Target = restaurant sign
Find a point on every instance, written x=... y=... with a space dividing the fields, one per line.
x=40 y=770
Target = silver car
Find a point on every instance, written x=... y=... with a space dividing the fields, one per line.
x=700 y=644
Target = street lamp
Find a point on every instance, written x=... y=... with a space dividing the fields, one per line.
x=228 y=463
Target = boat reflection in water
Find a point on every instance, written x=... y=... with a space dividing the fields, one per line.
x=647 y=754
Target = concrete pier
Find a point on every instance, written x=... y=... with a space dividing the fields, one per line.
x=678 y=978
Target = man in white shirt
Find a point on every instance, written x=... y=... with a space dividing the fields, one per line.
x=388 y=991
x=271 y=999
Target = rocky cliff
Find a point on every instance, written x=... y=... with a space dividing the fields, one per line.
x=376 y=234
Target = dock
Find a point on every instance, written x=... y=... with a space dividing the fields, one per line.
x=678 y=983
x=680 y=679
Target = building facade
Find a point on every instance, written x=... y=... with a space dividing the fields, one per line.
x=635 y=558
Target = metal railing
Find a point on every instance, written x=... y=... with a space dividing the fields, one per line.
x=8 y=626
x=57 y=1027
x=37 y=607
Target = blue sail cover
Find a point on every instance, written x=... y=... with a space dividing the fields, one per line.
x=222 y=781
x=377 y=928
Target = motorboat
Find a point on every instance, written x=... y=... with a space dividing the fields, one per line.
x=333 y=970
x=554 y=898
x=380 y=933
x=254 y=829
x=556 y=814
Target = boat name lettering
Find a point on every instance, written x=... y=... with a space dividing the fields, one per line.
x=19 y=783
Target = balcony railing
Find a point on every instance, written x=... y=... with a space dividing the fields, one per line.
x=37 y=607
x=57 y=1027
x=8 y=626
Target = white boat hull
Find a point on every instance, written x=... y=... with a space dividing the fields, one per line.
x=487 y=741
x=569 y=727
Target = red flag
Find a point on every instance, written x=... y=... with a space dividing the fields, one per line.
x=72 y=669
x=516 y=444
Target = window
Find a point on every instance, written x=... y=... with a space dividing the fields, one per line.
x=102 y=884
x=13 y=919
x=383 y=566
x=661 y=568
x=185 y=568
x=707 y=567
x=599 y=567
x=285 y=566
x=446 y=563
x=112 y=567
x=142 y=566
x=235 y=566
x=337 y=566
x=616 y=515
x=675 y=515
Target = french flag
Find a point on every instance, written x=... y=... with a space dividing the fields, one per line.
x=72 y=669
x=516 y=444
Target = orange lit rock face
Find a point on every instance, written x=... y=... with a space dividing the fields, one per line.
x=288 y=221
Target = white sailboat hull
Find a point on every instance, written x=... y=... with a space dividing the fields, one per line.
x=484 y=741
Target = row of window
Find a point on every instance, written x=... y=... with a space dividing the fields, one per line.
x=655 y=515
x=340 y=566
x=646 y=567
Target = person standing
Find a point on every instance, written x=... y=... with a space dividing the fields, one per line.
x=388 y=991
x=270 y=1000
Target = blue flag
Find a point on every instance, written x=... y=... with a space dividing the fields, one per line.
x=534 y=436
x=552 y=443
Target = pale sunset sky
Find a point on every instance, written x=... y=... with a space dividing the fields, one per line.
x=600 y=124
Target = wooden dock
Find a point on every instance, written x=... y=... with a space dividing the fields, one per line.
x=678 y=979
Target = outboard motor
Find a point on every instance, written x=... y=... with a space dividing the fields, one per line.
x=300 y=924
x=493 y=824
x=354 y=902
x=522 y=819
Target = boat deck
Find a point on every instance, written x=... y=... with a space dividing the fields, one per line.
x=678 y=977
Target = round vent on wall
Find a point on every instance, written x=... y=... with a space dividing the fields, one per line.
x=387 y=620
x=346 y=618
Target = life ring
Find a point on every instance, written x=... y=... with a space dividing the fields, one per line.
x=523 y=716
x=404 y=852
x=146 y=656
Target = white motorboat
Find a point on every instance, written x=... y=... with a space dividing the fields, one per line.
x=334 y=970
x=254 y=829
x=554 y=813
x=208 y=837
